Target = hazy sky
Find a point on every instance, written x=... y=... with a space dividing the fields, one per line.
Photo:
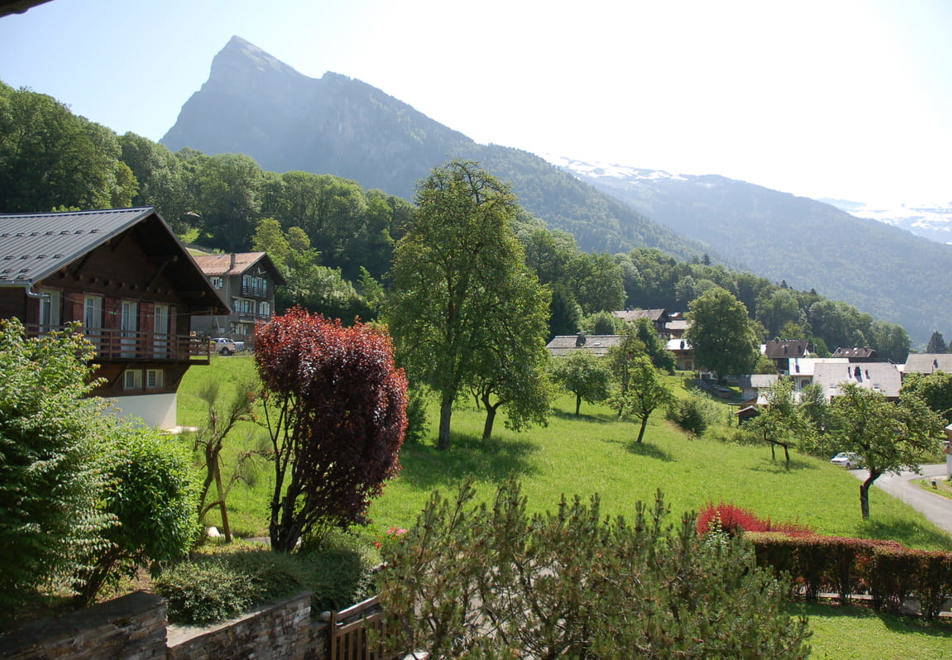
x=834 y=98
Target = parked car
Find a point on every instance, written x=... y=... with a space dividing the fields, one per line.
x=847 y=459
x=225 y=346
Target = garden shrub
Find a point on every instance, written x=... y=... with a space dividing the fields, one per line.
x=491 y=580
x=207 y=591
x=689 y=414
x=733 y=519
x=417 y=423
x=52 y=464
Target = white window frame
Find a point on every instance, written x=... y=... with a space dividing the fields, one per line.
x=154 y=379
x=49 y=312
x=132 y=379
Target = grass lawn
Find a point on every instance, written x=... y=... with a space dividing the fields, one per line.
x=595 y=453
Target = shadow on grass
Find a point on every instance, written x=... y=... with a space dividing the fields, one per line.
x=648 y=451
x=582 y=417
x=494 y=460
x=911 y=624
x=909 y=531
x=779 y=466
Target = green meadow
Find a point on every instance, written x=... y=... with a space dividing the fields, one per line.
x=595 y=454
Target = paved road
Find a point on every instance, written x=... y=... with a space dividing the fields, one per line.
x=936 y=508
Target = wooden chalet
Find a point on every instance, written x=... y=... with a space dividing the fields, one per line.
x=124 y=276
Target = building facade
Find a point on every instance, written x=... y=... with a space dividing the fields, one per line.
x=130 y=284
x=246 y=280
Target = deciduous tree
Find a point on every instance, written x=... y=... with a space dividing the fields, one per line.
x=780 y=422
x=458 y=256
x=720 y=333
x=584 y=375
x=644 y=393
x=890 y=437
x=335 y=408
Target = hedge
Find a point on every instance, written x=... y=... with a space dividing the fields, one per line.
x=886 y=570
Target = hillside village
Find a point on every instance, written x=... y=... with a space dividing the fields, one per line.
x=474 y=408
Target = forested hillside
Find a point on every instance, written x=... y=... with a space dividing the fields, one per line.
x=884 y=270
x=256 y=105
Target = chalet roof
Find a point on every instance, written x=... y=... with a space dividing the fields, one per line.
x=926 y=363
x=882 y=377
x=237 y=263
x=629 y=315
x=777 y=349
x=677 y=324
x=805 y=366
x=861 y=353
x=759 y=381
x=595 y=344
x=34 y=246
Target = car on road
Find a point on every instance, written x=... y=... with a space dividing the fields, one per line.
x=848 y=459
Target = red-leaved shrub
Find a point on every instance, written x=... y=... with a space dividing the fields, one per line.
x=733 y=519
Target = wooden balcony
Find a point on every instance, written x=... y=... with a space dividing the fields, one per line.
x=138 y=346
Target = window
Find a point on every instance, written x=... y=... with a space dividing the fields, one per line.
x=154 y=379
x=132 y=379
x=50 y=306
x=129 y=323
x=264 y=309
x=217 y=281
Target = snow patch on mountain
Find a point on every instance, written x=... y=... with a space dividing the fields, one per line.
x=611 y=171
x=932 y=221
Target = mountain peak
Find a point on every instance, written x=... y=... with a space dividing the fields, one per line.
x=240 y=57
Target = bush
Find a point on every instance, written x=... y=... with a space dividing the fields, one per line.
x=152 y=496
x=205 y=592
x=489 y=581
x=689 y=414
x=51 y=464
x=734 y=520
x=417 y=423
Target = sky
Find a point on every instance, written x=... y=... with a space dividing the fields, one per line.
x=836 y=99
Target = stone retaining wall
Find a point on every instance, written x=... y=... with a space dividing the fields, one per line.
x=135 y=627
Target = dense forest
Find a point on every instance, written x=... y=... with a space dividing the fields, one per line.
x=335 y=240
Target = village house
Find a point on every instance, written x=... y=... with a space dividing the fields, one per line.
x=683 y=353
x=856 y=354
x=124 y=276
x=926 y=363
x=781 y=351
x=598 y=345
x=247 y=281
x=882 y=377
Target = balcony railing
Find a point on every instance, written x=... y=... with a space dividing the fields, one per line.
x=121 y=345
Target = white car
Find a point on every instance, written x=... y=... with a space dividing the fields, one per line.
x=224 y=346
x=848 y=459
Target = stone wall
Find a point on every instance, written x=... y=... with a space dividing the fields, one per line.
x=282 y=630
x=129 y=627
x=135 y=627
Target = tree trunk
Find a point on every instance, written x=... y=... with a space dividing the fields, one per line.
x=221 y=502
x=488 y=426
x=446 y=413
x=864 y=493
x=578 y=404
x=786 y=453
x=641 y=432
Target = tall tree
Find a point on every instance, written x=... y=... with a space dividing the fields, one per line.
x=936 y=343
x=721 y=333
x=935 y=389
x=458 y=255
x=510 y=370
x=335 y=407
x=890 y=437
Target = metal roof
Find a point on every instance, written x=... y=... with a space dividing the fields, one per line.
x=926 y=363
x=33 y=246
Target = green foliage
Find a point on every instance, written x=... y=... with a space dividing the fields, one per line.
x=460 y=283
x=936 y=343
x=417 y=423
x=483 y=581
x=602 y=323
x=888 y=436
x=934 y=389
x=780 y=422
x=50 y=158
x=720 y=333
x=689 y=413
x=52 y=463
x=584 y=375
x=643 y=393
x=152 y=496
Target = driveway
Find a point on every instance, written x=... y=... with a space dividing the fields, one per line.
x=936 y=508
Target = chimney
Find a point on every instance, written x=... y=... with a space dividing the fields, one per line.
x=232 y=264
